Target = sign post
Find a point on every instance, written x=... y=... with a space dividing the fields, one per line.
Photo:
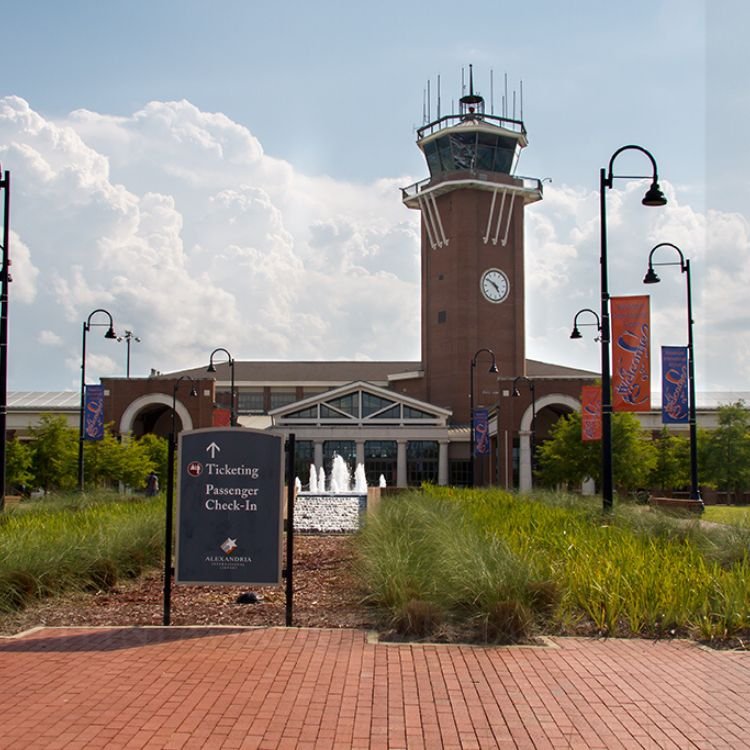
x=229 y=515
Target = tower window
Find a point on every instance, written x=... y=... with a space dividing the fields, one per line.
x=442 y=316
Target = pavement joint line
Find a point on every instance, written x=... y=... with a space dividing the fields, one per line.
x=373 y=638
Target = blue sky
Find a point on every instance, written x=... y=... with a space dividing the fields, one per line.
x=165 y=143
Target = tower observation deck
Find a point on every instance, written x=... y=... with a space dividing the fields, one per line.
x=471 y=149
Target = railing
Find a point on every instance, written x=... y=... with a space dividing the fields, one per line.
x=412 y=191
x=448 y=121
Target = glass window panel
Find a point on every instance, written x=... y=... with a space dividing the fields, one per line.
x=421 y=462
x=282 y=398
x=463 y=146
x=310 y=413
x=381 y=449
x=381 y=459
x=432 y=156
x=249 y=402
x=446 y=157
x=303 y=457
x=393 y=413
x=410 y=413
x=348 y=404
x=372 y=403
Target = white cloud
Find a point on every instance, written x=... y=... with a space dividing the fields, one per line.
x=48 y=338
x=176 y=222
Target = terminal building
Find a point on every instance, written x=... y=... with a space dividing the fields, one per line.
x=408 y=421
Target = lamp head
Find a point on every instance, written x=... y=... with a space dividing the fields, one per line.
x=516 y=393
x=194 y=392
x=493 y=367
x=576 y=334
x=654 y=196
x=211 y=367
x=110 y=334
x=651 y=277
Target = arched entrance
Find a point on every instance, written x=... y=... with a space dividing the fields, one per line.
x=152 y=413
x=549 y=409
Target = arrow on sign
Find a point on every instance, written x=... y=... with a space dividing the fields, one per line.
x=213 y=448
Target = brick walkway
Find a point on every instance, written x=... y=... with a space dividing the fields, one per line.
x=289 y=688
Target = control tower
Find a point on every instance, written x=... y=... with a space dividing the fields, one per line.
x=472 y=208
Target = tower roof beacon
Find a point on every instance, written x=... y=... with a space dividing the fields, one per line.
x=475 y=146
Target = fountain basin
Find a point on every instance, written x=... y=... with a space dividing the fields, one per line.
x=329 y=512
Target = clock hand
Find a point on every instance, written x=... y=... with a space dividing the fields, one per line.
x=494 y=284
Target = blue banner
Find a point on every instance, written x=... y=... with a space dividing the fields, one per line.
x=93 y=412
x=481 y=432
x=674 y=385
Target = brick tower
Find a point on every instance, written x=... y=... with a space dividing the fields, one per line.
x=472 y=208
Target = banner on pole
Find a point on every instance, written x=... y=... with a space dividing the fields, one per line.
x=93 y=412
x=481 y=432
x=631 y=353
x=221 y=417
x=674 y=385
x=591 y=412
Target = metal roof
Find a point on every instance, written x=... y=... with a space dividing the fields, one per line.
x=44 y=400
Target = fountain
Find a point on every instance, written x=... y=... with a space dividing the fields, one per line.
x=336 y=509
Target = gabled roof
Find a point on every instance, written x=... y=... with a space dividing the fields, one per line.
x=360 y=402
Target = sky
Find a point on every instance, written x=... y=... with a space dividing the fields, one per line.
x=228 y=175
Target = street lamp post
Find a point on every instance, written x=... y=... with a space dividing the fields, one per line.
x=516 y=394
x=653 y=197
x=232 y=395
x=170 y=501
x=4 y=281
x=576 y=334
x=127 y=338
x=493 y=368
x=652 y=278
x=110 y=334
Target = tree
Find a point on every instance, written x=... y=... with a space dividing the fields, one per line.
x=19 y=458
x=672 y=465
x=111 y=461
x=157 y=449
x=727 y=452
x=55 y=448
x=566 y=459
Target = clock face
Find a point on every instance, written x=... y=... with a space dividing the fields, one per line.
x=494 y=285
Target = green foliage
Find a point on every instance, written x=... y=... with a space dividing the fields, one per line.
x=727 y=451
x=157 y=450
x=19 y=458
x=110 y=461
x=78 y=543
x=429 y=565
x=55 y=453
x=566 y=460
x=508 y=564
x=672 y=462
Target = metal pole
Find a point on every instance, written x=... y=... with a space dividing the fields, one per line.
x=83 y=406
x=233 y=412
x=291 y=448
x=607 y=494
x=5 y=276
x=695 y=493
x=471 y=421
x=168 y=527
x=127 y=345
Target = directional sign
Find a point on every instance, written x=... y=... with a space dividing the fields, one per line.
x=229 y=515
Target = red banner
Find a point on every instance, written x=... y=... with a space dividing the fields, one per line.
x=221 y=417
x=591 y=412
x=631 y=353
